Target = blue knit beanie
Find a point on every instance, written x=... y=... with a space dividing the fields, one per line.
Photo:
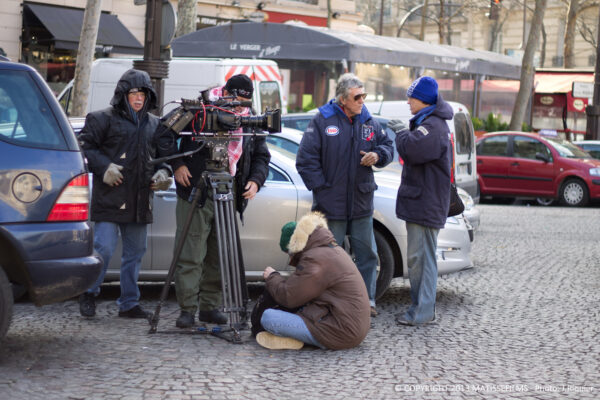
x=425 y=89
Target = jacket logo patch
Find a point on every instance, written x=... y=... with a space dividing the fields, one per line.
x=423 y=130
x=368 y=132
x=332 y=130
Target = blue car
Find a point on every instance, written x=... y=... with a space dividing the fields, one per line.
x=46 y=241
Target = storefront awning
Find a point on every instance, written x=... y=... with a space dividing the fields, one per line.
x=64 y=24
x=293 y=42
x=559 y=82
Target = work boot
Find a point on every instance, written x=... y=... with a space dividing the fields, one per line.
x=214 y=316
x=134 y=312
x=87 y=305
x=273 y=342
x=185 y=320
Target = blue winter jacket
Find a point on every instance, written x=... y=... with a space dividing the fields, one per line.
x=424 y=194
x=328 y=161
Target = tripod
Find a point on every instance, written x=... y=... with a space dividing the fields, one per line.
x=217 y=183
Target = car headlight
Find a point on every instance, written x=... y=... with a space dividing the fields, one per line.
x=595 y=171
x=467 y=200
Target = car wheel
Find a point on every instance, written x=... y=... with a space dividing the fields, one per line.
x=6 y=303
x=574 y=193
x=542 y=201
x=386 y=264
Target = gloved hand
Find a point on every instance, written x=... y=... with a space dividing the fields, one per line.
x=112 y=175
x=161 y=180
x=396 y=125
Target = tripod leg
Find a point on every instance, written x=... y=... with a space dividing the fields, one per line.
x=153 y=320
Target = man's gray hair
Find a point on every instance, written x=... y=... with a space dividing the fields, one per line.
x=345 y=83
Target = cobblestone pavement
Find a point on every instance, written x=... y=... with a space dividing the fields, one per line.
x=523 y=323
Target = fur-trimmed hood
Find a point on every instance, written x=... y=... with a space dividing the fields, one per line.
x=305 y=227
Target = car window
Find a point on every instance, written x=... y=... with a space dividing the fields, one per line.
x=269 y=95
x=300 y=124
x=26 y=119
x=594 y=150
x=276 y=176
x=283 y=143
x=526 y=147
x=493 y=146
x=567 y=149
x=464 y=133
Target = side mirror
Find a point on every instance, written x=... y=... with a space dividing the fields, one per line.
x=542 y=157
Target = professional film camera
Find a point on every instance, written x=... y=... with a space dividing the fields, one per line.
x=214 y=124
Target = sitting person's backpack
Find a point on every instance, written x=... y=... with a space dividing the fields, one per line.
x=263 y=302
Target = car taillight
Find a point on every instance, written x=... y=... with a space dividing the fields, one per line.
x=74 y=201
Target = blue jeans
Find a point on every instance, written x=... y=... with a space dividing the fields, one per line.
x=133 y=237
x=422 y=272
x=362 y=241
x=285 y=324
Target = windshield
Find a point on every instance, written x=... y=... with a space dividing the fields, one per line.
x=567 y=149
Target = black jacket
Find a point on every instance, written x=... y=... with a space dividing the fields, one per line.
x=253 y=165
x=115 y=135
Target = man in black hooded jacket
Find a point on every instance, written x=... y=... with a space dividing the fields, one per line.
x=118 y=144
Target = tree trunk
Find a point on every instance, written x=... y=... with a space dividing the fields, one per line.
x=186 y=17
x=527 y=67
x=442 y=23
x=544 y=43
x=423 y=20
x=85 y=57
x=569 y=46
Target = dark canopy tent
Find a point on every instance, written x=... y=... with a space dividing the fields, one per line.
x=64 y=24
x=293 y=42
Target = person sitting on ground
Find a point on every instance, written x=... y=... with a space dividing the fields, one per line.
x=333 y=305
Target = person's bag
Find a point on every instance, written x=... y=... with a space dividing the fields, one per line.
x=456 y=204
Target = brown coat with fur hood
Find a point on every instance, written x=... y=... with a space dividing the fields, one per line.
x=326 y=284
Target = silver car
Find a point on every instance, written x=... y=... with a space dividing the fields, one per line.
x=284 y=198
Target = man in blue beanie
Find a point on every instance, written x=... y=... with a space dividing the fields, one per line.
x=424 y=193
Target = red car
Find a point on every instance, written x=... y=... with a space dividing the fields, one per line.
x=521 y=164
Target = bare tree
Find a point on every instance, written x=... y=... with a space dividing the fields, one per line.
x=498 y=24
x=186 y=17
x=85 y=56
x=527 y=67
x=574 y=19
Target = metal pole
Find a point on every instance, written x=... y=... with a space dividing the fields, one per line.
x=593 y=111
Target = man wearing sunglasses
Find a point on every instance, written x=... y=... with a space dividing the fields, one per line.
x=337 y=152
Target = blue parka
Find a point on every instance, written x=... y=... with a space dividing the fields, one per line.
x=424 y=194
x=328 y=161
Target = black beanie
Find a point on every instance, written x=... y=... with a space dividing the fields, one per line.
x=241 y=84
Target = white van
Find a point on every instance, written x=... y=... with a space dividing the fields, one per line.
x=461 y=128
x=187 y=78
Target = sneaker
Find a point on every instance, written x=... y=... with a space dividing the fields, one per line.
x=87 y=305
x=214 y=316
x=185 y=320
x=135 y=312
x=270 y=341
x=373 y=312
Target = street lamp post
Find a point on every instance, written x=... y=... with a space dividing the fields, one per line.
x=152 y=63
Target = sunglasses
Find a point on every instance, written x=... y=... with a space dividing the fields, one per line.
x=358 y=96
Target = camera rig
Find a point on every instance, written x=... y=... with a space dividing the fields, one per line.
x=215 y=124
